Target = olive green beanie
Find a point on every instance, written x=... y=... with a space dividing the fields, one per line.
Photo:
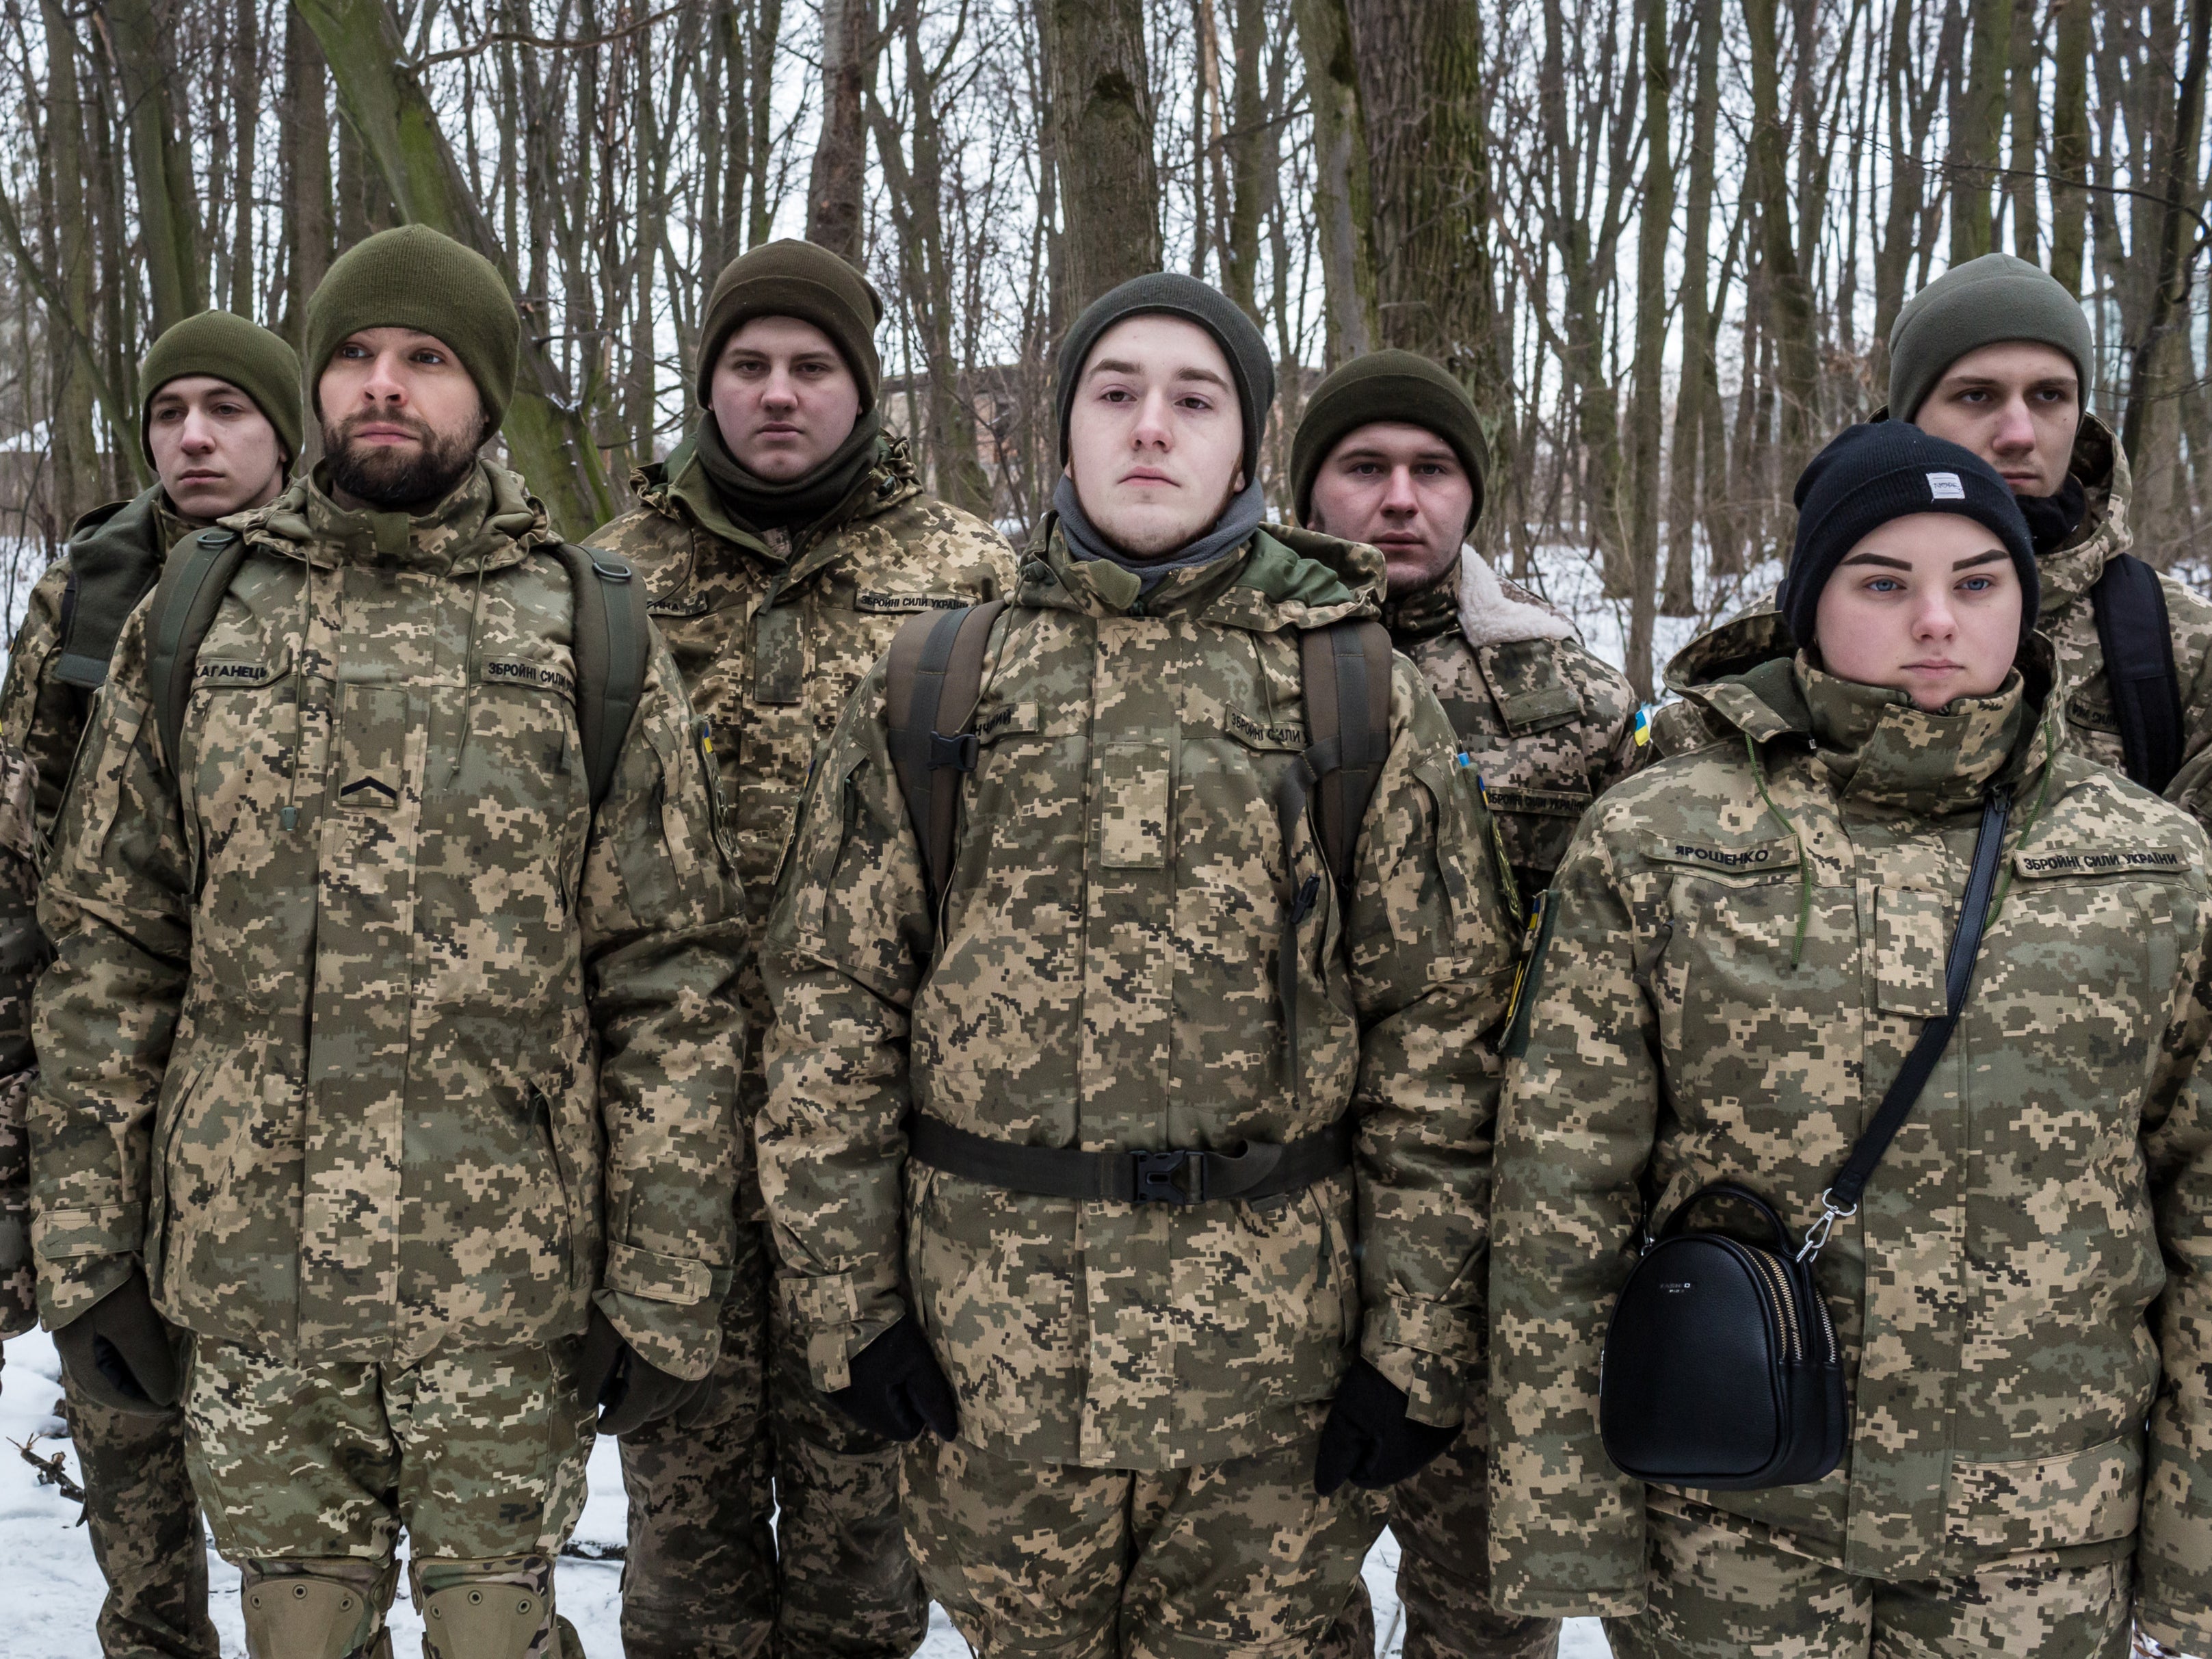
x=789 y=278
x=231 y=349
x=416 y=277
x=1982 y=302
x=1386 y=386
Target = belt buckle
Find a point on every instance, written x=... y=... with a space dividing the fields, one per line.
x=1156 y=1181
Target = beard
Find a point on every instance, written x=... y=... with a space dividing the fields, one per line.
x=390 y=478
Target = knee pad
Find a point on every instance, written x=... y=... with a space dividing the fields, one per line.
x=487 y=1609
x=306 y=1616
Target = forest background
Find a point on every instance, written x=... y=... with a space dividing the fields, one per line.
x=1662 y=243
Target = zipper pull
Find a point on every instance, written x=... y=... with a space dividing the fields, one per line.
x=1303 y=905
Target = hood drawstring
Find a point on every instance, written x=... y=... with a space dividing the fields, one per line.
x=288 y=815
x=469 y=673
x=1804 y=864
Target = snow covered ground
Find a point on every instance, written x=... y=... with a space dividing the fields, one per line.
x=54 y=1589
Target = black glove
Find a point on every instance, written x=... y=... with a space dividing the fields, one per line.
x=116 y=1352
x=898 y=1389
x=629 y=1389
x=1369 y=1439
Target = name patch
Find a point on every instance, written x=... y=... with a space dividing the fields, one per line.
x=1750 y=858
x=544 y=677
x=896 y=604
x=2102 y=862
x=1281 y=736
x=215 y=672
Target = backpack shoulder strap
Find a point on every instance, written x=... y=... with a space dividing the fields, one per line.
x=193 y=582
x=1347 y=670
x=934 y=675
x=613 y=643
x=2137 y=637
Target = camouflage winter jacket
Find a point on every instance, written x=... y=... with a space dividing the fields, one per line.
x=365 y=1032
x=1547 y=727
x=2069 y=621
x=41 y=712
x=2039 y=1233
x=772 y=633
x=1101 y=974
x=22 y=953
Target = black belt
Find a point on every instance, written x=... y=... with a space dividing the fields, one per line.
x=1256 y=1170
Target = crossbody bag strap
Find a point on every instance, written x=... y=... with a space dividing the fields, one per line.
x=1841 y=1200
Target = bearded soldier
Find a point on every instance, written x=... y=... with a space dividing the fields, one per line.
x=1080 y=1097
x=390 y=1044
x=220 y=424
x=782 y=542
x=1390 y=452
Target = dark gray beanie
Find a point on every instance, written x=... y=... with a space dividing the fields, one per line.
x=1885 y=470
x=1170 y=293
x=1982 y=302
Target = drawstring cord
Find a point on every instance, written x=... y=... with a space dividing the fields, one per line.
x=288 y=815
x=1804 y=864
x=469 y=673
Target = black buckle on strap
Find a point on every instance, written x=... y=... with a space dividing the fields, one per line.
x=1155 y=1177
x=958 y=752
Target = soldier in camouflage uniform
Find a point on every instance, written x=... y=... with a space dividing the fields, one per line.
x=776 y=596
x=1390 y=452
x=22 y=953
x=1146 y=1407
x=375 y=1054
x=1747 y=941
x=1995 y=354
x=220 y=423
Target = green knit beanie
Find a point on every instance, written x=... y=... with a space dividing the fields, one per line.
x=1982 y=302
x=416 y=277
x=1387 y=385
x=242 y=354
x=789 y=278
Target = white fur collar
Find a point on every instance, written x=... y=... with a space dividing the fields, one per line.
x=1488 y=614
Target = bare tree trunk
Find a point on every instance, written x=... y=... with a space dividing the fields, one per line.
x=306 y=169
x=768 y=22
x=2026 y=119
x=76 y=465
x=1974 y=145
x=1656 y=219
x=835 y=189
x=2069 y=143
x=245 y=113
x=1250 y=163
x=1678 y=596
x=1782 y=275
x=1100 y=104
x=162 y=163
x=1343 y=204
x=545 y=432
x=2177 y=184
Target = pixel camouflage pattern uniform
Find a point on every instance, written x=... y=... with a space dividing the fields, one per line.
x=771 y=634
x=1104 y=978
x=383 y=1051
x=1547 y=728
x=2068 y=619
x=144 y=1519
x=2032 y=1248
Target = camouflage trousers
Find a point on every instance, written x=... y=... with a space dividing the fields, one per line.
x=706 y=1577
x=146 y=1535
x=478 y=1454
x=1721 y=1587
x=1041 y=1559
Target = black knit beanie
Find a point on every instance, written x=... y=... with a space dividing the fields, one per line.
x=241 y=354
x=413 y=276
x=791 y=278
x=1984 y=302
x=1386 y=386
x=1887 y=470
x=1170 y=293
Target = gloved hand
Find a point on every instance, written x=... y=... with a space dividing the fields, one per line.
x=1369 y=1439
x=118 y=1351
x=898 y=1388
x=629 y=1390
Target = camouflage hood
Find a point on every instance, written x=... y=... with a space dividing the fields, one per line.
x=2101 y=467
x=1282 y=578
x=489 y=522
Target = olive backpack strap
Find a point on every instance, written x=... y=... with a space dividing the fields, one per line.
x=2137 y=637
x=613 y=644
x=193 y=582
x=1347 y=670
x=934 y=679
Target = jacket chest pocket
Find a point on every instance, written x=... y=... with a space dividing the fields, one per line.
x=241 y=736
x=1135 y=782
x=370 y=770
x=513 y=795
x=1911 y=938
